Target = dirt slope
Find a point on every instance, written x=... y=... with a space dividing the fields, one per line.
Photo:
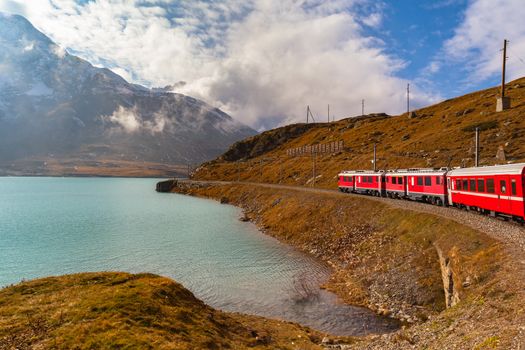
x=438 y=135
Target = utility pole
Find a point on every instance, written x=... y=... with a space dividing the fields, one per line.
x=476 y=159
x=375 y=158
x=503 y=68
x=261 y=166
x=313 y=167
x=503 y=102
x=329 y=113
x=408 y=98
x=362 y=107
x=238 y=172
x=280 y=170
x=307 y=113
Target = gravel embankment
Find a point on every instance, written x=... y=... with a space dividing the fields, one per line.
x=509 y=233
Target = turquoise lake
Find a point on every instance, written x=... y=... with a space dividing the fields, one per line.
x=55 y=226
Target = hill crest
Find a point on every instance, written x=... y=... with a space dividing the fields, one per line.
x=434 y=136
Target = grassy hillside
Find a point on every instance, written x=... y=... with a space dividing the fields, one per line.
x=393 y=261
x=438 y=135
x=124 y=311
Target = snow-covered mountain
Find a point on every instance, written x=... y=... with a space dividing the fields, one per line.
x=53 y=104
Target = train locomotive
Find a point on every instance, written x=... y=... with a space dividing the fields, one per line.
x=495 y=190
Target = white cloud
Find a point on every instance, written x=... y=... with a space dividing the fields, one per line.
x=479 y=39
x=30 y=46
x=59 y=51
x=373 y=20
x=129 y=120
x=125 y=119
x=262 y=61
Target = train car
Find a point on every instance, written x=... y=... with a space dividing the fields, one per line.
x=346 y=181
x=369 y=182
x=427 y=185
x=495 y=190
x=395 y=184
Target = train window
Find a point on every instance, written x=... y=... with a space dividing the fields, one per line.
x=513 y=187
x=438 y=180
x=503 y=186
x=420 y=181
x=490 y=185
x=458 y=184
x=400 y=180
x=481 y=185
x=472 y=185
x=394 y=180
x=428 y=181
x=465 y=185
x=370 y=179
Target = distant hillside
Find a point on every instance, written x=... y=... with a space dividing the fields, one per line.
x=436 y=136
x=61 y=115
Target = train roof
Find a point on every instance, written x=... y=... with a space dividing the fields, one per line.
x=360 y=172
x=508 y=169
x=417 y=171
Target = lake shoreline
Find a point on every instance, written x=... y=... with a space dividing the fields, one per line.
x=396 y=262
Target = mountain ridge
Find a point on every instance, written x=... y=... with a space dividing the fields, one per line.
x=57 y=106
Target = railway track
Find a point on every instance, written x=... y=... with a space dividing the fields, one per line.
x=511 y=234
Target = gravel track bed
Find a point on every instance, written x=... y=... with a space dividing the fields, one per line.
x=511 y=234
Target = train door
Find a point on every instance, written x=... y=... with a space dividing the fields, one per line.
x=504 y=192
x=521 y=202
x=515 y=206
x=449 y=189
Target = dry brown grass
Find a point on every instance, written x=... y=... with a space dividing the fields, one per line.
x=371 y=241
x=124 y=311
x=385 y=258
x=440 y=135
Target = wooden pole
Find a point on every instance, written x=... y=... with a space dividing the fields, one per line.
x=238 y=172
x=375 y=168
x=503 y=68
x=329 y=113
x=408 y=98
x=280 y=170
x=476 y=159
x=313 y=168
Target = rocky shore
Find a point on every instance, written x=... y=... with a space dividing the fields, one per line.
x=448 y=283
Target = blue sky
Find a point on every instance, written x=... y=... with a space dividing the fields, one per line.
x=263 y=61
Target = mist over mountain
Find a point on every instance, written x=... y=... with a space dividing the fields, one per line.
x=54 y=105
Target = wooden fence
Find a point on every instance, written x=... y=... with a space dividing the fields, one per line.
x=331 y=147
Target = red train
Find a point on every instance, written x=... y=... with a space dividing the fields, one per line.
x=495 y=190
